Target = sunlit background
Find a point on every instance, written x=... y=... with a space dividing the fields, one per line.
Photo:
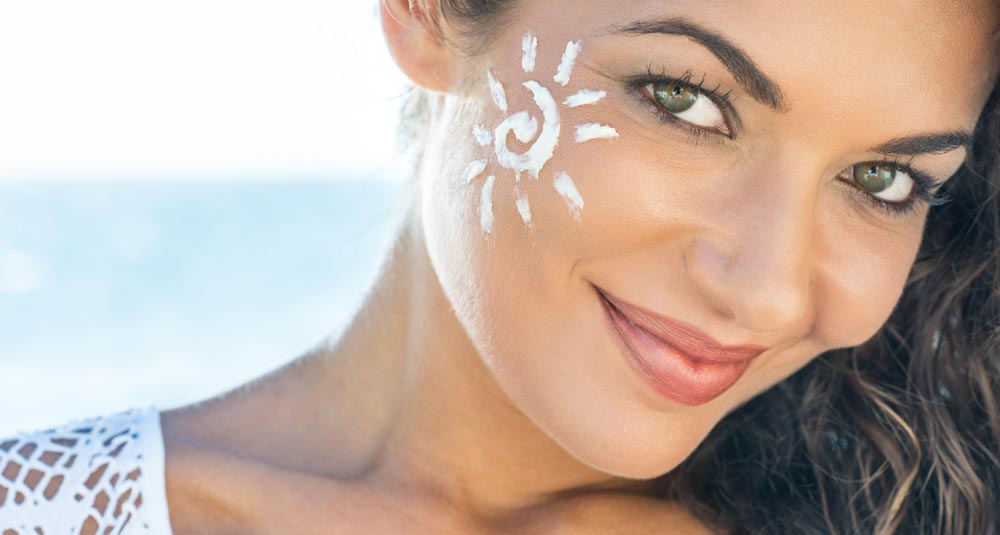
x=192 y=192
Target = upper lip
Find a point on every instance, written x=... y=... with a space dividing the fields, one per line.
x=684 y=337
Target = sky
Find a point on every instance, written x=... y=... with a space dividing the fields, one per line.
x=170 y=89
x=192 y=193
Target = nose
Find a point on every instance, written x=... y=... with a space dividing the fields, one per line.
x=755 y=266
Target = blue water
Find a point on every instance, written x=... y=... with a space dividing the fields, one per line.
x=168 y=292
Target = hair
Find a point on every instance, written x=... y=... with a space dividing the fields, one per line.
x=899 y=435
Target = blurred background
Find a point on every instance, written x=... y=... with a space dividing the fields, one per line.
x=192 y=193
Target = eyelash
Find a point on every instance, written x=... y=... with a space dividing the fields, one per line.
x=923 y=184
x=635 y=85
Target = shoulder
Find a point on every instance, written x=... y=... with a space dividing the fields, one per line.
x=216 y=481
x=203 y=483
x=88 y=476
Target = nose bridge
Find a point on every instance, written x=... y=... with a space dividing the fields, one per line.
x=755 y=265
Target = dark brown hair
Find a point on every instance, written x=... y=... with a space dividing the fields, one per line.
x=900 y=435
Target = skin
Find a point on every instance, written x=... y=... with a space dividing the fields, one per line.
x=478 y=388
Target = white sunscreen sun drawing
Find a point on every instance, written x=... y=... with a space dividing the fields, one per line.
x=525 y=128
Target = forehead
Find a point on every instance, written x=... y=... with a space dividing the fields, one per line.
x=891 y=56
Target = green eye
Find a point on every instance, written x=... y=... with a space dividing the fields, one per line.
x=874 y=178
x=674 y=97
x=882 y=180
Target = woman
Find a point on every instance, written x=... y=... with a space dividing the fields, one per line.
x=686 y=267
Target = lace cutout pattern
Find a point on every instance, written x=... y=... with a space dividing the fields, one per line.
x=85 y=477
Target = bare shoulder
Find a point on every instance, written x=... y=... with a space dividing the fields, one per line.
x=629 y=513
x=233 y=456
x=200 y=481
x=216 y=465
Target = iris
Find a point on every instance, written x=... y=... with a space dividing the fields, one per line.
x=674 y=97
x=874 y=178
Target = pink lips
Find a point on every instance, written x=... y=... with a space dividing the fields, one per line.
x=678 y=360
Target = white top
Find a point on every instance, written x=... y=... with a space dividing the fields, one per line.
x=96 y=476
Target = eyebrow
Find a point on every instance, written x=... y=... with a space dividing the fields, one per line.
x=757 y=84
x=764 y=90
x=938 y=143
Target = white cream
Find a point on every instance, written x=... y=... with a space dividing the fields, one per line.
x=529 y=46
x=524 y=127
x=565 y=70
x=585 y=97
x=525 y=130
x=544 y=146
x=539 y=132
x=499 y=95
x=486 y=206
x=519 y=122
x=483 y=135
x=589 y=131
x=523 y=207
x=567 y=189
x=474 y=169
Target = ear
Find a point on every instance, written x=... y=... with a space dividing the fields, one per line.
x=416 y=45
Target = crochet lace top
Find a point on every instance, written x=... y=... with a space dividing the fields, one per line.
x=96 y=476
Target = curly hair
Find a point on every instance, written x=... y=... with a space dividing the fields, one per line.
x=899 y=435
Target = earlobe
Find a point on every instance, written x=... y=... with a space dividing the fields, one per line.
x=416 y=44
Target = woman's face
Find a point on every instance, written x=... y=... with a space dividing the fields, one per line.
x=734 y=185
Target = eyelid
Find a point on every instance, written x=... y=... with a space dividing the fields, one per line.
x=720 y=99
x=923 y=185
x=696 y=112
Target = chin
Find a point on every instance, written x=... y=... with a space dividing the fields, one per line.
x=646 y=445
x=637 y=462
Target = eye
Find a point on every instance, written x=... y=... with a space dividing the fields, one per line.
x=893 y=187
x=884 y=181
x=688 y=104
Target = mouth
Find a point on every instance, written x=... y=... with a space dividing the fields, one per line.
x=679 y=361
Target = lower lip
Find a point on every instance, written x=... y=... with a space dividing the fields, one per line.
x=669 y=372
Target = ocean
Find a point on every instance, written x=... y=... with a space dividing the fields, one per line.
x=131 y=293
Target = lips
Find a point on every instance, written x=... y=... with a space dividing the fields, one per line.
x=677 y=359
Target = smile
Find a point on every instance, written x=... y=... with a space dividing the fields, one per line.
x=678 y=360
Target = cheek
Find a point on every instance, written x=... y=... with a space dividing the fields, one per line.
x=861 y=276
x=511 y=202
x=507 y=276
